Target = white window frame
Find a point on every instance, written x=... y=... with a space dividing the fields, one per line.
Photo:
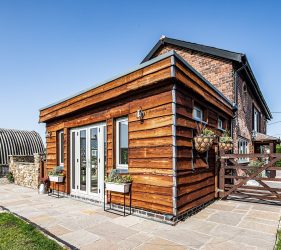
x=256 y=119
x=194 y=113
x=118 y=165
x=61 y=160
x=243 y=148
x=220 y=124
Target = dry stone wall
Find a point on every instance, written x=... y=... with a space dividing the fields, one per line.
x=25 y=170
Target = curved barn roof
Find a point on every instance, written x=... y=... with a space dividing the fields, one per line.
x=19 y=142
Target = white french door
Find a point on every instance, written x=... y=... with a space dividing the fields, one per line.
x=88 y=158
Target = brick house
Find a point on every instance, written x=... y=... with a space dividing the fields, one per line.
x=143 y=122
x=231 y=74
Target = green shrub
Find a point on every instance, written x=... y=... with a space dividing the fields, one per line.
x=10 y=177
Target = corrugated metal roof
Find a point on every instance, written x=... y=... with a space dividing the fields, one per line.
x=19 y=142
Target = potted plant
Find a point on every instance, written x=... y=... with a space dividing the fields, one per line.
x=226 y=142
x=43 y=183
x=204 y=140
x=116 y=182
x=57 y=174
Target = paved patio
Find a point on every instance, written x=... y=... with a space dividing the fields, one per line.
x=222 y=225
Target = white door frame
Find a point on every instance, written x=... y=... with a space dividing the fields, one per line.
x=75 y=189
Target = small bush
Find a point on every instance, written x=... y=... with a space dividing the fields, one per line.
x=10 y=177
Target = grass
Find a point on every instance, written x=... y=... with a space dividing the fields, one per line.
x=278 y=242
x=16 y=234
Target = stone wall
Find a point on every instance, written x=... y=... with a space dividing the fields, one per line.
x=25 y=170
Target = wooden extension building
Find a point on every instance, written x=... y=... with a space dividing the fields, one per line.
x=98 y=130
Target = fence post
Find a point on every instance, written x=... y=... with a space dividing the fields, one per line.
x=221 y=175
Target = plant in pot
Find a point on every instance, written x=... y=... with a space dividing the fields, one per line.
x=43 y=184
x=204 y=139
x=116 y=182
x=225 y=141
x=57 y=174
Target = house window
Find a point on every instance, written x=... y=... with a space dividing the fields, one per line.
x=61 y=148
x=220 y=123
x=122 y=143
x=256 y=120
x=197 y=113
x=243 y=148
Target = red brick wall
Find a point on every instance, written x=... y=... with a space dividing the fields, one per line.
x=244 y=122
x=217 y=71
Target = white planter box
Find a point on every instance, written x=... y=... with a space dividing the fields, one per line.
x=118 y=187
x=56 y=178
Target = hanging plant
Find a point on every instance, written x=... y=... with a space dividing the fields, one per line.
x=204 y=139
x=226 y=142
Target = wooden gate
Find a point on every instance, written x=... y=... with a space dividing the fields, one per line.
x=250 y=176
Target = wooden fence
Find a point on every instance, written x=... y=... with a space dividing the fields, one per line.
x=250 y=176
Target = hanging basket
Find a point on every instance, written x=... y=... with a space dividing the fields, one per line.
x=226 y=146
x=203 y=143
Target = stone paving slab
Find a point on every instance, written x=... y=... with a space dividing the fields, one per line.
x=222 y=225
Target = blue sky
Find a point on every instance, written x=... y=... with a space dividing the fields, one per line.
x=52 y=49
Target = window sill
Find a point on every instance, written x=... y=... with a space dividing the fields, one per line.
x=198 y=120
x=122 y=170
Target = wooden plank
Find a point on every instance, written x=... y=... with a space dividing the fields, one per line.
x=145 y=205
x=184 y=132
x=158 y=111
x=151 y=133
x=150 y=123
x=151 y=142
x=184 y=142
x=151 y=152
x=185 y=189
x=155 y=163
x=165 y=191
x=195 y=203
x=186 y=198
x=184 y=164
x=193 y=177
x=154 y=180
x=160 y=171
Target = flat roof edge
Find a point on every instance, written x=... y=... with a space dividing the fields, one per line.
x=142 y=65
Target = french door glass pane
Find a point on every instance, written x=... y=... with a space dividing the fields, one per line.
x=104 y=146
x=94 y=159
x=83 y=160
x=73 y=162
x=61 y=147
x=123 y=142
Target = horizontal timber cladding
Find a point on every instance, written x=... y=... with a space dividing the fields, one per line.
x=194 y=189
x=168 y=176
x=150 y=145
x=195 y=172
x=111 y=90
